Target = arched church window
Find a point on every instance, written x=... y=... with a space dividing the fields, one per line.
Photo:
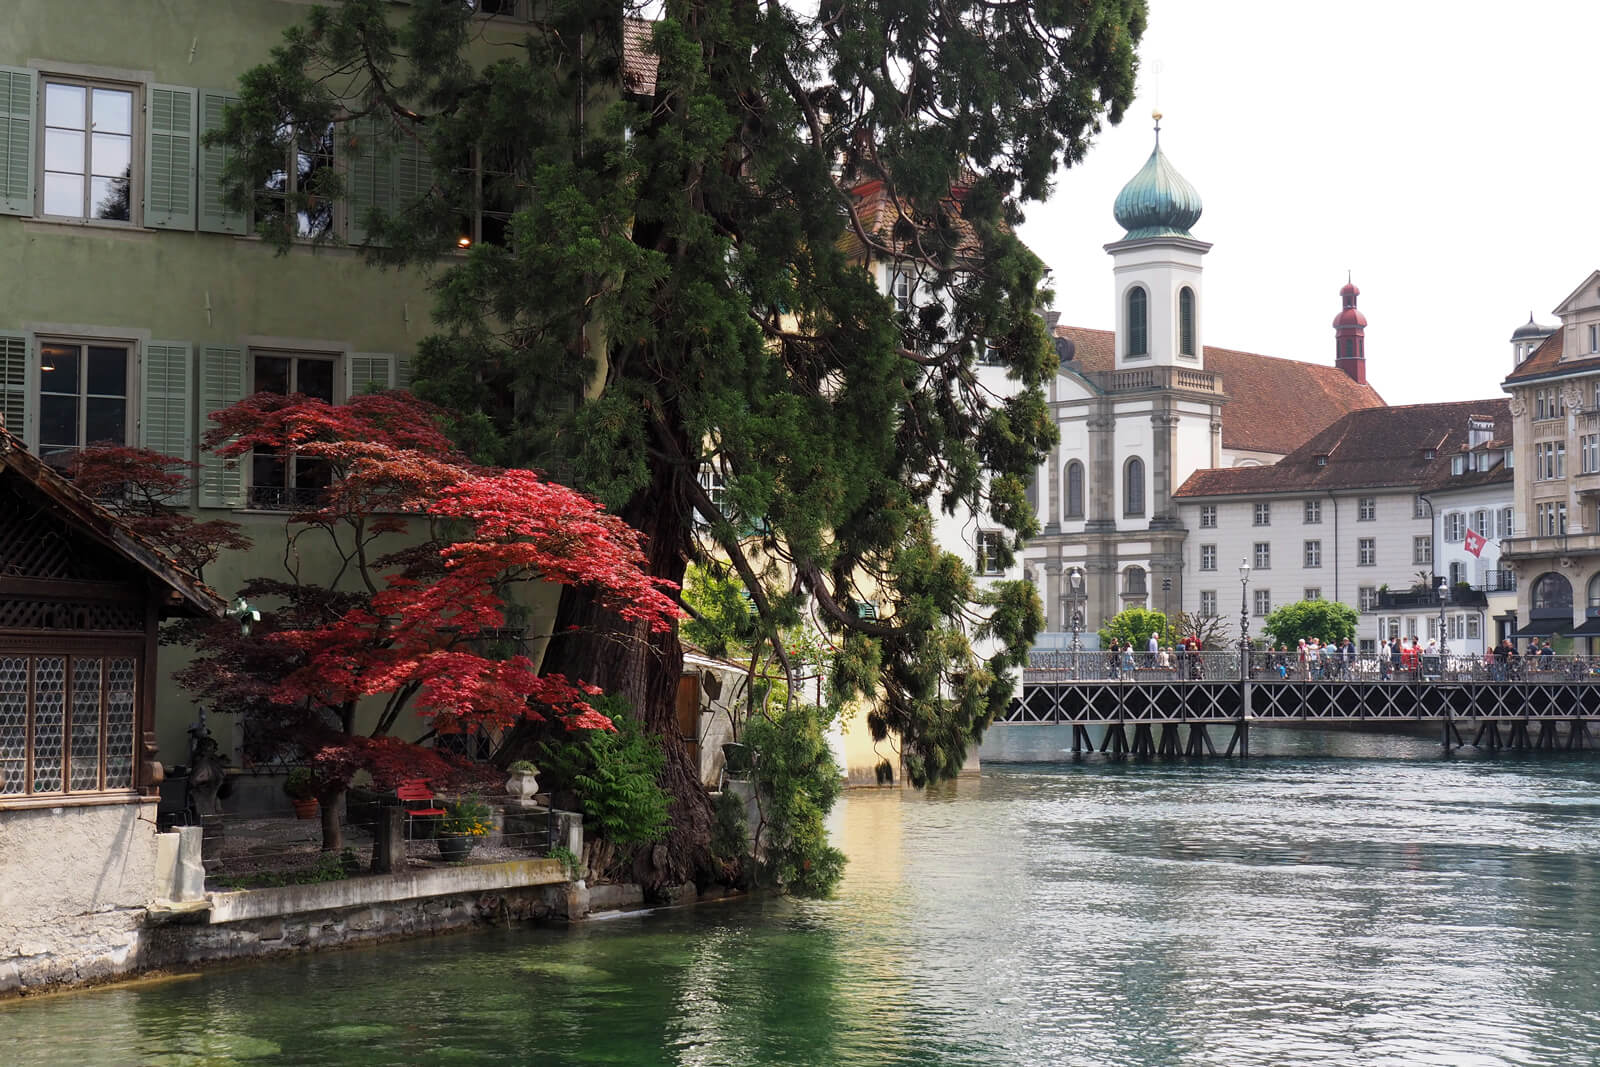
x=1552 y=592
x=1133 y=581
x=1133 y=487
x=1138 y=322
x=1074 y=490
x=1186 y=344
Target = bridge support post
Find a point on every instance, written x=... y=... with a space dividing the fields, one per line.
x=1578 y=735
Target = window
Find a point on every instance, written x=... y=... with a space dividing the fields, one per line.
x=1458 y=573
x=1368 y=595
x=496 y=195
x=67 y=723
x=1455 y=527
x=1367 y=509
x=991 y=544
x=1552 y=520
x=1138 y=322
x=1313 y=553
x=900 y=284
x=1312 y=592
x=1133 y=487
x=1419 y=507
x=1472 y=627
x=1208 y=557
x=1589 y=453
x=1422 y=549
x=507 y=8
x=1208 y=602
x=1366 y=646
x=1433 y=628
x=1263 y=602
x=279 y=482
x=1503 y=526
x=1208 y=516
x=1074 y=490
x=289 y=198
x=1594 y=338
x=1481 y=523
x=1263 y=515
x=1186 y=344
x=1313 y=512
x=1367 y=552
x=715 y=483
x=83 y=397
x=88 y=151
x=1133 y=581
x=1263 y=555
x=1458 y=464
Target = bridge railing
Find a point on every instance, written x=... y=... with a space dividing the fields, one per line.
x=1057 y=667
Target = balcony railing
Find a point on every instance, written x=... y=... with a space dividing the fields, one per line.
x=1058 y=668
x=1145 y=379
x=1470 y=597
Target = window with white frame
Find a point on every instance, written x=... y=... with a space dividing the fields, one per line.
x=991 y=543
x=1208 y=602
x=1594 y=338
x=1433 y=628
x=1313 y=554
x=715 y=483
x=1367 y=509
x=1263 y=555
x=1422 y=549
x=1419 y=507
x=289 y=482
x=1313 y=512
x=900 y=285
x=1263 y=602
x=289 y=199
x=1312 y=592
x=1472 y=627
x=83 y=396
x=1503 y=525
x=1481 y=523
x=1208 y=557
x=1458 y=573
x=1455 y=527
x=1367 y=552
x=1263 y=514
x=1589 y=448
x=88 y=150
x=1368 y=595
x=1208 y=516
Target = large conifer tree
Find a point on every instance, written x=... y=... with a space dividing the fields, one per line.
x=669 y=232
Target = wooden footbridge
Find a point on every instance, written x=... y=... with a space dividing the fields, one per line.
x=1172 y=708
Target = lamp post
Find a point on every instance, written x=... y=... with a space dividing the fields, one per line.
x=1075 y=599
x=1444 y=646
x=1244 y=619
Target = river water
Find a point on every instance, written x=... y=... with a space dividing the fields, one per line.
x=1346 y=901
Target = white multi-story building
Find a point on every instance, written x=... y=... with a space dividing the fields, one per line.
x=1141 y=408
x=1351 y=516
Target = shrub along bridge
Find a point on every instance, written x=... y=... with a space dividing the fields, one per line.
x=1169 y=706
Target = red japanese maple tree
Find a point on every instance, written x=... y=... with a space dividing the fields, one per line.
x=431 y=549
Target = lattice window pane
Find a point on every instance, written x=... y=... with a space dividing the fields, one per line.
x=49 y=714
x=120 y=705
x=85 y=769
x=13 y=724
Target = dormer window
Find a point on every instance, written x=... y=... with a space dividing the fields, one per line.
x=1322 y=459
x=1429 y=453
x=1458 y=464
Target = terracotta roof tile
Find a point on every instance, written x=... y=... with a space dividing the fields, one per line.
x=879 y=213
x=639 y=60
x=1379 y=447
x=1274 y=404
x=1550 y=359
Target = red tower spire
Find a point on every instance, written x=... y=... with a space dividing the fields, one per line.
x=1350 y=335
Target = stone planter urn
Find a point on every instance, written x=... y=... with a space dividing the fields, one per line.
x=521 y=786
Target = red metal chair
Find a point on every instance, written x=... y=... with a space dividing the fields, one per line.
x=416 y=791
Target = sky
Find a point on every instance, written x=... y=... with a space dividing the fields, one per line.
x=1446 y=154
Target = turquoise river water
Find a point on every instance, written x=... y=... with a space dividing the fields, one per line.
x=1347 y=901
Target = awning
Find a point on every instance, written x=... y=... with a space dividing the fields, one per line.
x=1590 y=628
x=1544 y=628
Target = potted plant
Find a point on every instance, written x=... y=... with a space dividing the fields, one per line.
x=465 y=821
x=300 y=787
x=522 y=781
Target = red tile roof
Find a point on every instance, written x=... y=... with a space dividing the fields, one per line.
x=1274 y=404
x=1546 y=360
x=882 y=217
x=639 y=60
x=1380 y=447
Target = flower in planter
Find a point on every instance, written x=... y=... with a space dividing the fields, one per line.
x=468 y=816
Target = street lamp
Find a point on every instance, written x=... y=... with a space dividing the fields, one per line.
x=1444 y=646
x=1075 y=599
x=1244 y=619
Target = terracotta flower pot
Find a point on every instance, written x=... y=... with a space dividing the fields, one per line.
x=304 y=807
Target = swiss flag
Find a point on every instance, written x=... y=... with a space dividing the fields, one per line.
x=1474 y=542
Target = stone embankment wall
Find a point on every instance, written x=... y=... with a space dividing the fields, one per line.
x=74 y=885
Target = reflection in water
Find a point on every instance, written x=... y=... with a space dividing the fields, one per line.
x=1289 y=910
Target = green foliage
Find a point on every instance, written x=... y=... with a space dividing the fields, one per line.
x=522 y=766
x=300 y=784
x=797 y=783
x=616 y=776
x=1326 y=620
x=1136 y=625
x=569 y=860
x=468 y=815
x=730 y=830
x=683 y=259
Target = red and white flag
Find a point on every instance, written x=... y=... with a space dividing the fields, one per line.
x=1474 y=542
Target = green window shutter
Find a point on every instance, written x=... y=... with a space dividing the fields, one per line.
x=222 y=377
x=367 y=371
x=413 y=173
x=169 y=161
x=16 y=141
x=166 y=395
x=402 y=372
x=15 y=405
x=214 y=214
x=371 y=184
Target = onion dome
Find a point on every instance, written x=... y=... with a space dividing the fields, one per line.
x=1349 y=315
x=1532 y=331
x=1157 y=202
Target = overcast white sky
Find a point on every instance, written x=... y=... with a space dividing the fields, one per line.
x=1446 y=153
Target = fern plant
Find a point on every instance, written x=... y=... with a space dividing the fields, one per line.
x=616 y=776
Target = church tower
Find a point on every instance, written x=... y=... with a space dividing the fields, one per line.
x=1156 y=268
x=1350 y=335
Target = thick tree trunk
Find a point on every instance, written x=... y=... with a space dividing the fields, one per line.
x=332 y=824
x=628 y=660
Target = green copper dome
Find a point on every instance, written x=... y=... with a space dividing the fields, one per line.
x=1157 y=202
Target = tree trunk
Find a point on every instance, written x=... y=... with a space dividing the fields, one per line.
x=332 y=824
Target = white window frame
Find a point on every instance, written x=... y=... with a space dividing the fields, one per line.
x=1261 y=602
x=1208 y=603
x=1367 y=509
x=136 y=148
x=1313 y=510
x=131 y=400
x=1262 y=555
x=1312 y=592
x=985 y=554
x=1422 y=549
x=1367 y=552
x=1208 y=516
x=1368 y=597
x=1313 y=554
x=253 y=500
x=1263 y=513
x=1208 y=557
